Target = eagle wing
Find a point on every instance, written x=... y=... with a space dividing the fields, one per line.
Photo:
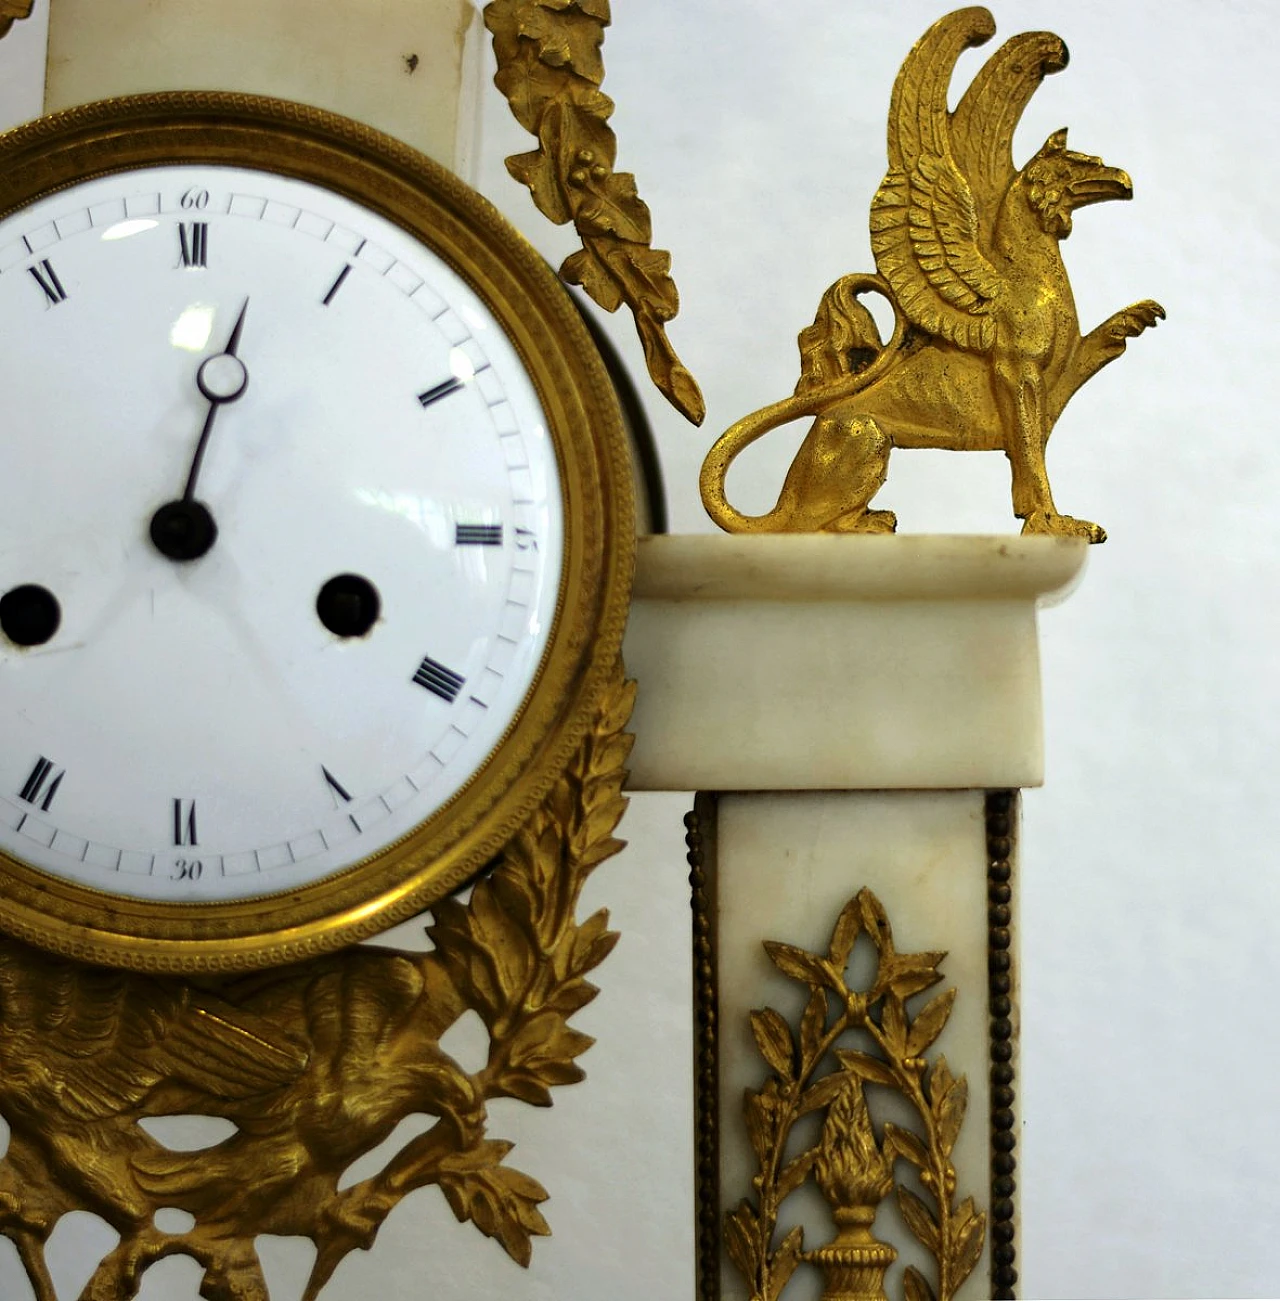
x=925 y=229
x=99 y=1041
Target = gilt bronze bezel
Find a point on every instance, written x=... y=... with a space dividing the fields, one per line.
x=450 y=847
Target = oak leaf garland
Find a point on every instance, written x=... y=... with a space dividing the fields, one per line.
x=11 y=11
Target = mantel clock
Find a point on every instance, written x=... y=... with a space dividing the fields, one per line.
x=316 y=542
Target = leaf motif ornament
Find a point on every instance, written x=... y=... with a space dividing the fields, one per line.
x=550 y=69
x=848 y=1041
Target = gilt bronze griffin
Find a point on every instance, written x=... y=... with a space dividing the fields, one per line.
x=986 y=348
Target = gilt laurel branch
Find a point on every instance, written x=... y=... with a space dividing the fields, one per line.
x=519 y=957
x=550 y=69
x=314 y=1064
x=874 y=1039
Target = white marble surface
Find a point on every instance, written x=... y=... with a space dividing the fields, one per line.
x=840 y=662
x=873 y=567
x=395 y=64
x=787 y=865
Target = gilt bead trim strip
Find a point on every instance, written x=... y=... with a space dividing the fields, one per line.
x=1001 y=822
x=700 y=838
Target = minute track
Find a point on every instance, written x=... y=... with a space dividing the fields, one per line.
x=219 y=683
x=493 y=427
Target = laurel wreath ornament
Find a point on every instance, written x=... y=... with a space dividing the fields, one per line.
x=315 y=1064
x=871 y=1038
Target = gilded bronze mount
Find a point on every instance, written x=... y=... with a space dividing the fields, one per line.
x=814 y=1071
x=986 y=348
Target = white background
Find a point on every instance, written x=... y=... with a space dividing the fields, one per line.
x=1150 y=889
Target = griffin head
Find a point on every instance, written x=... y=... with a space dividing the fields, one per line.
x=952 y=180
x=1058 y=180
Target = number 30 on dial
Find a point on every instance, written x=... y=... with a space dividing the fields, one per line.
x=315 y=532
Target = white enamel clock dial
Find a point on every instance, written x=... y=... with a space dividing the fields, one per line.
x=281 y=533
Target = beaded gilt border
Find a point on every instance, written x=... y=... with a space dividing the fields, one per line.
x=1001 y=815
x=700 y=829
x=1001 y=823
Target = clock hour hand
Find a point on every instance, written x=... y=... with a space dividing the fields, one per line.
x=184 y=529
x=222 y=379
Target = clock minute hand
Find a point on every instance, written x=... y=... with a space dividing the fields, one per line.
x=221 y=378
x=184 y=529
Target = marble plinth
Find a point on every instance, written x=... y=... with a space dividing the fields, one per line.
x=852 y=700
x=824 y=662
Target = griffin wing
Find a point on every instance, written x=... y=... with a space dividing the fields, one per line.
x=925 y=229
x=983 y=124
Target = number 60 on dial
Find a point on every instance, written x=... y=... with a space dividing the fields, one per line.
x=315 y=534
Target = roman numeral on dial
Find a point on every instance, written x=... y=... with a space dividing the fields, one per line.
x=337 y=284
x=478 y=535
x=184 y=822
x=42 y=784
x=47 y=278
x=437 y=679
x=193 y=243
x=441 y=390
x=340 y=792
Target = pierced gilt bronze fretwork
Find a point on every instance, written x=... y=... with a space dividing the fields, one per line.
x=848 y=1040
x=550 y=68
x=315 y=1064
x=986 y=349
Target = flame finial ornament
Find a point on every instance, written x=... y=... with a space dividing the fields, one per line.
x=875 y=1038
x=855 y=1177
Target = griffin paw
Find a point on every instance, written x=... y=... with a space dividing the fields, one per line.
x=18 y=1219
x=1135 y=318
x=1044 y=521
x=865 y=521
